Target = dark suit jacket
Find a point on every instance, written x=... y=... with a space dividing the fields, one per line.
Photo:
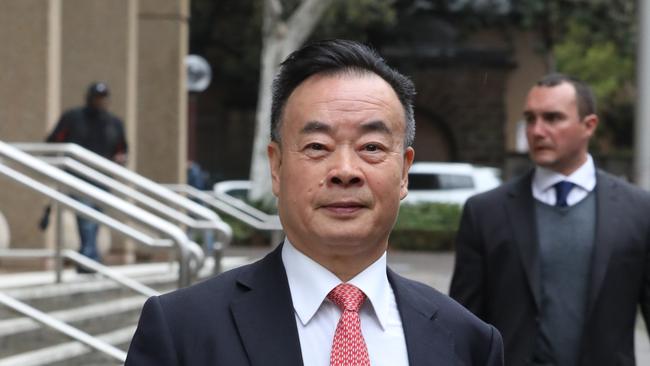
x=246 y=317
x=497 y=274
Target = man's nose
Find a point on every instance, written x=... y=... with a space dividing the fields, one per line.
x=536 y=127
x=345 y=170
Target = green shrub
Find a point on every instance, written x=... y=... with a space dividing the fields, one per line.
x=245 y=235
x=426 y=226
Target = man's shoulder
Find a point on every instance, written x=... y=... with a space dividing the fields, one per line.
x=605 y=178
x=448 y=311
x=72 y=114
x=114 y=119
x=517 y=186
x=628 y=193
x=212 y=292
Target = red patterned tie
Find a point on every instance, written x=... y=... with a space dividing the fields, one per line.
x=348 y=348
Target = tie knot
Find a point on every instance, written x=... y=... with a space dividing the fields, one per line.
x=347 y=297
x=562 y=190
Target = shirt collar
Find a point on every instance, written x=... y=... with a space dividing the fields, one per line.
x=310 y=282
x=584 y=177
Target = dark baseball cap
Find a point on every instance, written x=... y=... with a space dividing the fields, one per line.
x=97 y=89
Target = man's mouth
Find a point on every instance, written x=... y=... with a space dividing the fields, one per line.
x=542 y=148
x=343 y=207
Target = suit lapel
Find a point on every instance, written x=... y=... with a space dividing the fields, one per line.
x=606 y=232
x=264 y=315
x=520 y=206
x=427 y=342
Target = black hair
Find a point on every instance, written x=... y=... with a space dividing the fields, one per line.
x=585 y=99
x=333 y=57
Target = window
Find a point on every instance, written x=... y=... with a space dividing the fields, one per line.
x=423 y=181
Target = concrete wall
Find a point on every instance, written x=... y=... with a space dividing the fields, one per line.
x=162 y=105
x=27 y=35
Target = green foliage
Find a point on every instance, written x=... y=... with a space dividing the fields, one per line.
x=428 y=216
x=430 y=226
x=353 y=19
x=608 y=66
x=600 y=63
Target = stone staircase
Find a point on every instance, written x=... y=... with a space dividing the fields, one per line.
x=90 y=303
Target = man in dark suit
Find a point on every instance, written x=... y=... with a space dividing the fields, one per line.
x=341 y=130
x=558 y=259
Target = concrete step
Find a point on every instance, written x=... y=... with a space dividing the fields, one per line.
x=22 y=334
x=72 y=353
x=90 y=303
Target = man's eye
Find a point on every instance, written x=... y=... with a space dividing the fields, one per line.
x=372 y=147
x=316 y=146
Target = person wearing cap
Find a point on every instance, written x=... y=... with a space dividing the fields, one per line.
x=93 y=127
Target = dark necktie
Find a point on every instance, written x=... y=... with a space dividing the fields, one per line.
x=562 y=190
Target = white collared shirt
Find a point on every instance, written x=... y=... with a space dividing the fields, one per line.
x=317 y=316
x=584 y=179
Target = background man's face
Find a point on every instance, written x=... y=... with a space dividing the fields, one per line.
x=342 y=169
x=557 y=137
x=100 y=102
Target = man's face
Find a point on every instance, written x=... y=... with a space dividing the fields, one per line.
x=557 y=137
x=341 y=169
x=100 y=102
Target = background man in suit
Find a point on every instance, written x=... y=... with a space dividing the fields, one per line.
x=342 y=126
x=558 y=259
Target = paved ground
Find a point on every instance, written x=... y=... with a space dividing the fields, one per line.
x=435 y=269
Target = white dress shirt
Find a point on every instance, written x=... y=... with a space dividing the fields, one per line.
x=317 y=316
x=584 y=179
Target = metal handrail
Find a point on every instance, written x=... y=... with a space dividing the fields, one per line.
x=186 y=249
x=62 y=327
x=104 y=165
x=220 y=191
x=232 y=206
x=99 y=169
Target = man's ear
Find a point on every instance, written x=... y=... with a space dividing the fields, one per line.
x=591 y=122
x=409 y=155
x=274 y=153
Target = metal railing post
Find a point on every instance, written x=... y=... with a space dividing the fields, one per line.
x=184 y=272
x=58 y=257
x=218 y=256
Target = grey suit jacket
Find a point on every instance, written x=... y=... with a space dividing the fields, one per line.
x=246 y=317
x=497 y=273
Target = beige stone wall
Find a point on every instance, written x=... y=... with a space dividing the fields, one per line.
x=25 y=61
x=162 y=102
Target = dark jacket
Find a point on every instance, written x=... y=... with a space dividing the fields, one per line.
x=497 y=273
x=246 y=317
x=96 y=130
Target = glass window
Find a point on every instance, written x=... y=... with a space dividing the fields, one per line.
x=422 y=181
